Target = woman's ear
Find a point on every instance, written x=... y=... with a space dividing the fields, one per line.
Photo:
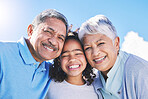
x=30 y=31
x=117 y=43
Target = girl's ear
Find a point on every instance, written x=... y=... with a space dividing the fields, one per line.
x=30 y=31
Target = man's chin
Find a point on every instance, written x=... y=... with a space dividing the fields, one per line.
x=50 y=58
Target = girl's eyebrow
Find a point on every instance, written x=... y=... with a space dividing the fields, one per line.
x=77 y=50
x=72 y=51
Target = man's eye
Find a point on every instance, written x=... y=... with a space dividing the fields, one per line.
x=48 y=32
x=61 y=38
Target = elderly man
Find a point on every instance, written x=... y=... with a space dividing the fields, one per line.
x=121 y=75
x=23 y=67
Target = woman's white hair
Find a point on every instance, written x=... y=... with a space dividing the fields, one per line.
x=97 y=24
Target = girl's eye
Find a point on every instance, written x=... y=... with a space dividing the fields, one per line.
x=64 y=56
x=79 y=54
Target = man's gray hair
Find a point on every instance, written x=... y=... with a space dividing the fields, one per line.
x=49 y=13
x=97 y=24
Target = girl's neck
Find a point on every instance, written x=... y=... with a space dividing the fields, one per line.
x=75 y=80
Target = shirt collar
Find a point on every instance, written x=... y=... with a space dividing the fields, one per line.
x=121 y=58
x=25 y=53
x=42 y=67
x=114 y=81
x=97 y=82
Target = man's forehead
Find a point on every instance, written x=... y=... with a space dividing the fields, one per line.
x=55 y=31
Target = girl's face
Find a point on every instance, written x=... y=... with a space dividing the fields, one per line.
x=73 y=60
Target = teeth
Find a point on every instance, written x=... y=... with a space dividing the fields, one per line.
x=48 y=48
x=74 y=66
x=100 y=59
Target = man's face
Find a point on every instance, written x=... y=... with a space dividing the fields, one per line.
x=47 y=39
x=100 y=51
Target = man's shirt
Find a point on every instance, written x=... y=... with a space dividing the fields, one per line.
x=21 y=76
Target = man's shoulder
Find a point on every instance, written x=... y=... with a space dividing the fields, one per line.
x=4 y=44
x=7 y=46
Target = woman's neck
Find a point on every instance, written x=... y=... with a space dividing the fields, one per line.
x=104 y=73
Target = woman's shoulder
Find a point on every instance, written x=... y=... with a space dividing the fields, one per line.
x=135 y=66
x=135 y=63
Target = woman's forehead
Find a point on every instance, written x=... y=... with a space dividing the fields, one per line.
x=89 y=38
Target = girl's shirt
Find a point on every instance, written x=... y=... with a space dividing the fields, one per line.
x=65 y=90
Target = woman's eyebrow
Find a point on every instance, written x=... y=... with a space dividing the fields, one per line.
x=96 y=42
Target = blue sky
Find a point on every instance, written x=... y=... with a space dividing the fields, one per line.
x=126 y=15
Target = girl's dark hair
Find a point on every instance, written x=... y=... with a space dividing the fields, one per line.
x=56 y=72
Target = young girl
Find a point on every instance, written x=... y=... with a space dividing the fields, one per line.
x=72 y=75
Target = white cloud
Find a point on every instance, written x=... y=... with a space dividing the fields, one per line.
x=135 y=45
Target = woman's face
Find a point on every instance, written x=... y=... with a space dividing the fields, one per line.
x=100 y=51
x=73 y=61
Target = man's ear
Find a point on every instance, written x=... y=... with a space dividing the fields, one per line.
x=30 y=31
x=117 y=43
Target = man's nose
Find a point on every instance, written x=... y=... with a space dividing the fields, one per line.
x=53 y=40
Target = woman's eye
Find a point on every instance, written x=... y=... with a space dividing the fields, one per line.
x=100 y=44
x=88 y=48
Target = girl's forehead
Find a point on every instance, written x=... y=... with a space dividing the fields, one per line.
x=72 y=44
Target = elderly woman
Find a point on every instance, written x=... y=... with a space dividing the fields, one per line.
x=120 y=74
